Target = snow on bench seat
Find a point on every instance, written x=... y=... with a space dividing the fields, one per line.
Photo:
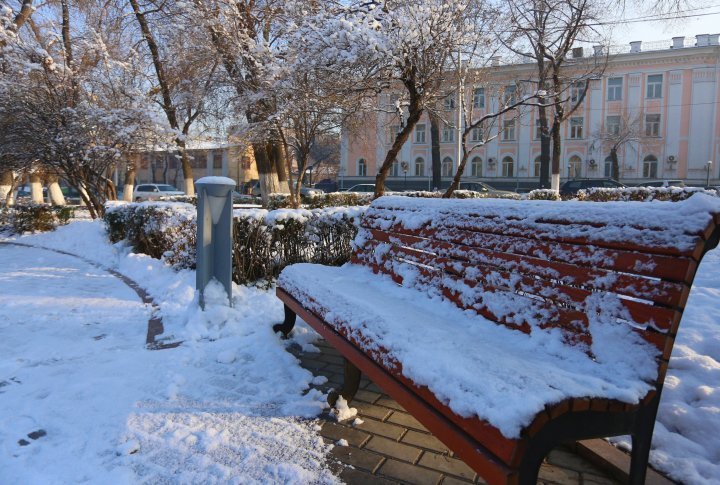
x=476 y=368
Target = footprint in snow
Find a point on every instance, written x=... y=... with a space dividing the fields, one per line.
x=33 y=436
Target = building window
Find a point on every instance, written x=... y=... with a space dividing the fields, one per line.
x=538 y=130
x=537 y=167
x=612 y=125
x=419 y=166
x=614 y=90
x=652 y=125
x=654 y=86
x=608 y=167
x=508 y=130
x=395 y=171
x=476 y=134
x=650 y=166
x=449 y=103
x=392 y=133
x=576 y=91
x=362 y=168
x=448 y=133
x=476 y=167
x=217 y=160
x=510 y=96
x=576 y=127
x=447 y=167
x=420 y=133
x=479 y=98
x=575 y=167
x=508 y=167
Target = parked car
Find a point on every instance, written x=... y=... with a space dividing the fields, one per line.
x=661 y=183
x=154 y=191
x=571 y=187
x=304 y=191
x=367 y=188
x=483 y=187
x=327 y=185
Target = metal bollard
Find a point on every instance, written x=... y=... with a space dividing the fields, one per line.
x=214 y=234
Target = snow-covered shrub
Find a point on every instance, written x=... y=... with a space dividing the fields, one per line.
x=543 y=194
x=33 y=217
x=642 y=194
x=187 y=199
x=264 y=242
x=159 y=229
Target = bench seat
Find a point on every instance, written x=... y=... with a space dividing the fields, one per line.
x=463 y=358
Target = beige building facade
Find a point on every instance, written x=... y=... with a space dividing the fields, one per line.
x=670 y=91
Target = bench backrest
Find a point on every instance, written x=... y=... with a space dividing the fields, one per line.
x=548 y=264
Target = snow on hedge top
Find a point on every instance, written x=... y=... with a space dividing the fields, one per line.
x=665 y=224
x=216 y=180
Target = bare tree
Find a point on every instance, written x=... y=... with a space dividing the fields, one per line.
x=619 y=131
x=546 y=31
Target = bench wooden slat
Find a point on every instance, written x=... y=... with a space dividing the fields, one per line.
x=666 y=293
x=642 y=313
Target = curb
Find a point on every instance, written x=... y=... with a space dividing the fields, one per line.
x=615 y=461
x=155 y=325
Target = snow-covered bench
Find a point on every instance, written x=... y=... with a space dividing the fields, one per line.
x=507 y=327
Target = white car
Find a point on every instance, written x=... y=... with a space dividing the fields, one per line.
x=155 y=191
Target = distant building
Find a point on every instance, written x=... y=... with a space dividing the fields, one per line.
x=672 y=88
x=235 y=161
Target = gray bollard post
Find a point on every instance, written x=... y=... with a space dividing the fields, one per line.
x=214 y=234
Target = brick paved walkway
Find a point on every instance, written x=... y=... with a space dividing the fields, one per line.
x=391 y=446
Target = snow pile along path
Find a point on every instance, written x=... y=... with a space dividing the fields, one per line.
x=229 y=405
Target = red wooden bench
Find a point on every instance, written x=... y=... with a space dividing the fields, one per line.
x=553 y=261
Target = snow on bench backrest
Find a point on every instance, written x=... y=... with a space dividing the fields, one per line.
x=544 y=264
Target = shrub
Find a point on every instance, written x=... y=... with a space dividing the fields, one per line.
x=264 y=242
x=642 y=194
x=34 y=217
x=543 y=194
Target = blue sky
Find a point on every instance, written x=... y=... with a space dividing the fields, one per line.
x=654 y=31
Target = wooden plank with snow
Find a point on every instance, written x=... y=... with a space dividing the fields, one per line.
x=509 y=327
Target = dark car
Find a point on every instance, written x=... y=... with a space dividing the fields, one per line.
x=661 y=183
x=327 y=185
x=571 y=187
x=483 y=187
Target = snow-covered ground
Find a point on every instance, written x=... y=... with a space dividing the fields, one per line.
x=230 y=404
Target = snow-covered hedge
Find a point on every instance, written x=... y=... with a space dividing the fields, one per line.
x=542 y=194
x=22 y=218
x=264 y=241
x=641 y=194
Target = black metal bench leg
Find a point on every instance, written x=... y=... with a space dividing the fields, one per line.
x=351 y=384
x=641 y=440
x=286 y=326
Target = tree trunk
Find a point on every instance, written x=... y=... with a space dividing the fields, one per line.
x=36 y=192
x=544 y=147
x=435 y=151
x=556 y=150
x=54 y=191
x=615 y=164
x=278 y=159
x=7 y=180
x=269 y=183
x=460 y=170
x=189 y=188
x=129 y=185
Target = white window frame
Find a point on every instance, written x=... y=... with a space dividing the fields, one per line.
x=362 y=167
x=576 y=127
x=479 y=98
x=650 y=167
x=443 y=167
x=421 y=163
x=614 y=89
x=420 y=133
x=652 y=127
x=612 y=124
x=508 y=168
x=653 y=88
x=448 y=134
x=508 y=133
x=576 y=90
x=449 y=102
x=476 y=167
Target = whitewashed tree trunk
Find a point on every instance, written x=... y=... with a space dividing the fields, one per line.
x=555 y=182
x=36 y=192
x=54 y=191
x=269 y=184
x=6 y=187
x=189 y=186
